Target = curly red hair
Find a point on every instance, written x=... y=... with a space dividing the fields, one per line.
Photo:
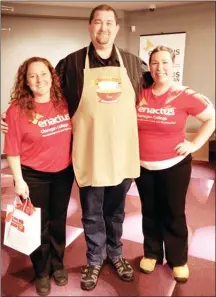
x=22 y=95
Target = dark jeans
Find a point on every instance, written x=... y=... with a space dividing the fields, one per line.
x=102 y=217
x=163 y=194
x=50 y=192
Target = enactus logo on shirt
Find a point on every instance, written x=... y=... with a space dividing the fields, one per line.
x=160 y=115
x=52 y=121
x=143 y=108
x=164 y=111
x=52 y=125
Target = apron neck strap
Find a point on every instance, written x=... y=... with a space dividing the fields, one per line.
x=87 y=59
x=119 y=57
x=118 y=54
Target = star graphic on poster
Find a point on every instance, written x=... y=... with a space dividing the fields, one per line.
x=148 y=45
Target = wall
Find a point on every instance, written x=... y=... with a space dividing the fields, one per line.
x=198 y=21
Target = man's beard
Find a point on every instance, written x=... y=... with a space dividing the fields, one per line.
x=102 y=38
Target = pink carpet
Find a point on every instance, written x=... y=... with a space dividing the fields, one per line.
x=17 y=273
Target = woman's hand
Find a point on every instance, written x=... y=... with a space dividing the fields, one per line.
x=21 y=189
x=185 y=148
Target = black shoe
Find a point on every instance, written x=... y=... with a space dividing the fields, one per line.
x=42 y=285
x=89 y=277
x=60 y=277
x=123 y=269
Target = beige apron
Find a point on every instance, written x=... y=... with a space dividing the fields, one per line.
x=105 y=136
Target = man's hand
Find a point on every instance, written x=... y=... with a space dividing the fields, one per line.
x=4 y=125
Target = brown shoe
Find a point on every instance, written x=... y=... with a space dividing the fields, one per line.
x=60 y=277
x=181 y=273
x=42 y=285
x=89 y=277
x=123 y=269
x=147 y=265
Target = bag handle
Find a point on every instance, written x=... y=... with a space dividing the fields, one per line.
x=25 y=204
x=11 y=214
x=16 y=202
x=26 y=207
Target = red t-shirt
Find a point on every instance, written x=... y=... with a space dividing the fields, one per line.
x=44 y=145
x=162 y=119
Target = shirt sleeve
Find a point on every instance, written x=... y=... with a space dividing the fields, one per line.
x=13 y=137
x=71 y=80
x=195 y=102
x=61 y=71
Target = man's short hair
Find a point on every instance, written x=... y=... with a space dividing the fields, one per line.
x=103 y=7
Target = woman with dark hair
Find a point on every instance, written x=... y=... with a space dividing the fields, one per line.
x=38 y=148
x=165 y=157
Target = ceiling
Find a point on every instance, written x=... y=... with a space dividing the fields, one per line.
x=120 y=5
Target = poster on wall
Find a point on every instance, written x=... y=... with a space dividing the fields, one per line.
x=175 y=41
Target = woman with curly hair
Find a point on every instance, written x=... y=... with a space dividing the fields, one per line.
x=38 y=148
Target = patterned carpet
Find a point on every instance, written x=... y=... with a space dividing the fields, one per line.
x=17 y=273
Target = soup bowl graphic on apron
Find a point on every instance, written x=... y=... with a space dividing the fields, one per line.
x=108 y=91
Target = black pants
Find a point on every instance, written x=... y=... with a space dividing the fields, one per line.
x=50 y=192
x=102 y=217
x=163 y=194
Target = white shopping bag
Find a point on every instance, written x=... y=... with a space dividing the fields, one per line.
x=22 y=230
